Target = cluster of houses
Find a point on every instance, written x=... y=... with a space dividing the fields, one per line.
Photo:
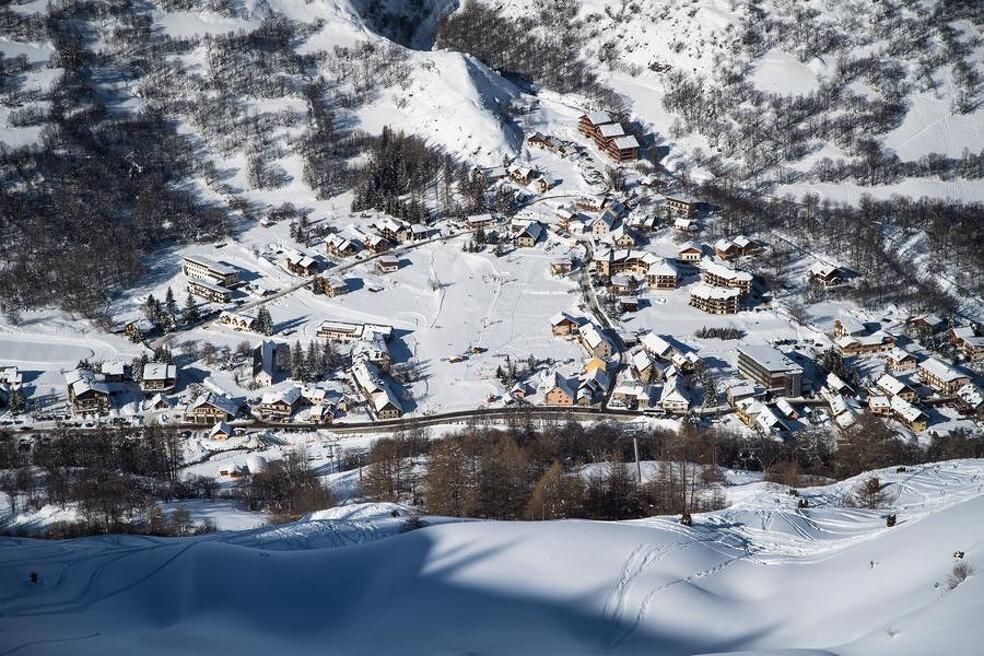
x=722 y=289
x=610 y=136
x=91 y=392
x=382 y=236
x=895 y=394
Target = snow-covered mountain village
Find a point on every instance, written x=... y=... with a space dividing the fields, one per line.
x=621 y=327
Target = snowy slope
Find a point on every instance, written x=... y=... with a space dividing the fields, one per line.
x=731 y=584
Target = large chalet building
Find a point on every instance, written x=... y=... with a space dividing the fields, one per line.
x=609 y=135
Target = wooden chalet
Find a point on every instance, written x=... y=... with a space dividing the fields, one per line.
x=330 y=286
x=302 y=265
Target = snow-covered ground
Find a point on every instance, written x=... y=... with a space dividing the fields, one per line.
x=761 y=577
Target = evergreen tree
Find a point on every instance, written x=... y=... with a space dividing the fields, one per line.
x=264 y=321
x=170 y=306
x=312 y=371
x=297 y=361
x=190 y=315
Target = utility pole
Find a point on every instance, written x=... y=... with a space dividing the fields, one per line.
x=635 y=447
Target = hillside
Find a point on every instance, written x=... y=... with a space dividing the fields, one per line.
x=761 y=577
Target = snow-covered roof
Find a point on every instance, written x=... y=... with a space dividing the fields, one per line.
x=769 y=358
x=835 y=382
x=850 y=325
x=159 y=371
x=709 y=292
x=727 y=273
x=290 y=396
x=565 y=385
x=823 y=270
x=673 y=393
x=908 y=411
x=940 y=370
x=891 y=384
x=611 y=130
x=592 y=336
x=662 y=268
x=115 y=368
x=971 y=395
x=656 y=344
x=626 y=142
x=221 y=428
x=898 y=354
x=211 y=265
x=219 y=401
x=599 y=118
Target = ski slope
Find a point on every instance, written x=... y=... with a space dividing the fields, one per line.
x=761 y=577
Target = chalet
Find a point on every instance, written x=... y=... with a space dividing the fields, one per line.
x=419 y=232
x=529 y=235
x=330 y=286
x=564 y=217
x=644 y=366
x=202 y=268
x=837 y=385
x=623 y=283
x=673 y=397
x=682 y=205
x=562 y=393
x=726 y=249
x=736 y=393
x=590 y=124
x=848 y=326
x=657 y=346
x=538 y=140
x=524 y=175
x=395 y=231
x=787 y=409
x=374 y=349
x=387 y=264
x=521 y=390
x=157 y=402
x=719 y=275
x=159 y=377
x=238 y=321
x=623 y=149
x=924 y=325
x=209 y=291
x=269 y=358
x=880 y=405
x=971 y=399
x=770 y=368
x=686 y=225
x=662 y=275
x=715 y=300
x=377 y=244
x=627 y=394
x=690 y=253
x=865 y=345
x=137 y=330
x=279 y=405
x=301 y=265
x=608 y=262
x=621 y=237
x=563 y=324
x=211 y=408
x=377 y=391
x=112 y=372
x=900 y=361
x=595 y=342
x=603 y=224
x=592 y=386
x=941 y=377
x=481 y=221
x=745 y=245
x=339 y=246
x=87 y=394
x=759 y=416
x=561 y=266
x=970 y=344
x=825 y=275
x=909 y=414
x=628 y=303
x=892 y=386
x=221 y=431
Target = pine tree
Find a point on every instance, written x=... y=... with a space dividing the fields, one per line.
x=152 y=310
x=312 y=370
x=264 y=322
x=327 y=357
x=296 y=361
x=170 y=306
x=190 y=315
